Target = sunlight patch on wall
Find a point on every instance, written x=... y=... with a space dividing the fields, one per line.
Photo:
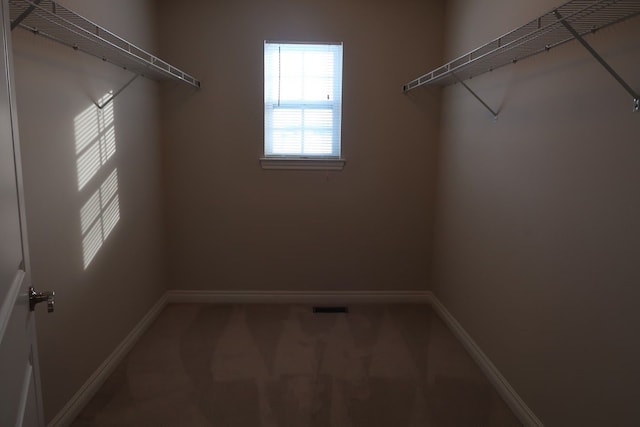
x=99 y=216
x=95 y=145
x=95 y=139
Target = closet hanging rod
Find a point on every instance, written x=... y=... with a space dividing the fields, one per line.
x=53 y=21
x=539 y=35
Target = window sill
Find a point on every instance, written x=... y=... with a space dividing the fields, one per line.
x=300 y=163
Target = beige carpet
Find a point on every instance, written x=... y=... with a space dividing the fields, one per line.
x=283 y=365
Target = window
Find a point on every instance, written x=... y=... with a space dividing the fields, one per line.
x=302 y=101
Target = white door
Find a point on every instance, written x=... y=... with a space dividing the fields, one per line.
x=20 y=402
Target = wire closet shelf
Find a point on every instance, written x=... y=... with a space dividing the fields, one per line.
x=540 y=35
x=53 y=21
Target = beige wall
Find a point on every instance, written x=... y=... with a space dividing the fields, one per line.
x=234 y=226
x=97 y=306
x=538 y=220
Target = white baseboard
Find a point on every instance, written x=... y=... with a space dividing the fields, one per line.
x=504 y=389
x=80 y=399
x=298 y=297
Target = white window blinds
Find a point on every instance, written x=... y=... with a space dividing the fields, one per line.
x=302 y=99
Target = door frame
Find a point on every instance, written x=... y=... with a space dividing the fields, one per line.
x=22 y=280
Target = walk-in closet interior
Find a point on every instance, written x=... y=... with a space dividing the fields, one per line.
x=470 y=242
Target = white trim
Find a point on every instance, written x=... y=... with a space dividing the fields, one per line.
x=10 y=301
x=504 y=389
x=298 y=163
x=297 y=297
x=26 y=387
x=82 y=397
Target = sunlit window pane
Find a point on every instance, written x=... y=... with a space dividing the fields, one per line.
x=303 y=99
x=318 y=89
x=317 y=142
x=287 y=142
x=287 y=118
x=318 y=119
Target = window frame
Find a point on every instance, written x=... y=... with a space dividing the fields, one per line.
x=300 y=161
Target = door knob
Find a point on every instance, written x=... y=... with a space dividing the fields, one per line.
x=36 y=297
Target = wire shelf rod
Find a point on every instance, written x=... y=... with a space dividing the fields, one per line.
x=53 y=21
x=539 y=35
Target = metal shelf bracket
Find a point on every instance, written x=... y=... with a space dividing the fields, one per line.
x=571 y=20
x=600 y=59
x=112 y=97
x=24 y=14
x=475 y=95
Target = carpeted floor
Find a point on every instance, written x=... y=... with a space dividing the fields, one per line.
x=283 y=365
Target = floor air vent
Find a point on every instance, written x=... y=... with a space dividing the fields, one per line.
x=331 y=309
